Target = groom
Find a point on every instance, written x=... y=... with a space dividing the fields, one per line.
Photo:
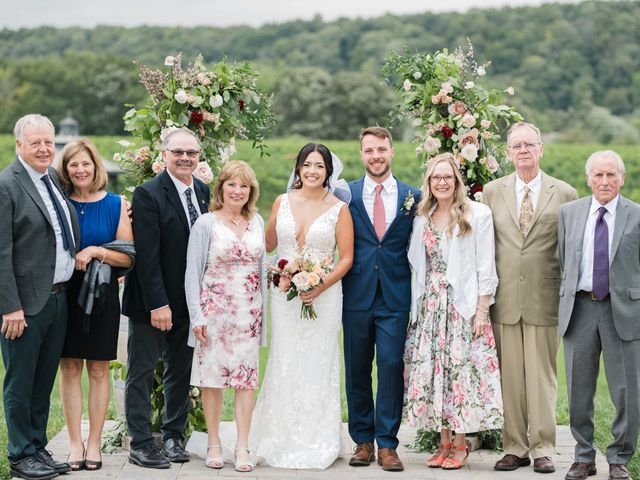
x=376 y=301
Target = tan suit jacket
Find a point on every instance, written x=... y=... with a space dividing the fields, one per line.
x=528 y=267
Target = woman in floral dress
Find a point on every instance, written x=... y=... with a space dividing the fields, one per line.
x=223 y=286
x=452 y=379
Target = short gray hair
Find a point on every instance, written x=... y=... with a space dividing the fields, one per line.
x=604 y=154
x=168 y=134
x=34 y=120
x=519 y=125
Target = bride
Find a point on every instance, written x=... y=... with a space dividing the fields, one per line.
x=297 y=421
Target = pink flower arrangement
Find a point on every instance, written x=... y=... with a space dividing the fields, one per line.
x=301 y=274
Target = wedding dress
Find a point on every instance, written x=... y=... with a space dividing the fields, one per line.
x=297 y=421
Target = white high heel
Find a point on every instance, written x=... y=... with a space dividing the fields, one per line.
x=242 y=465
x=216 y=462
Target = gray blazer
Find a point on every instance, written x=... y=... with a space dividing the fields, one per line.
x=624 y=264
x=27 y=242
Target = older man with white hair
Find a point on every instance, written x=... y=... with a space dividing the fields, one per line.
x=38 y=237
x=599 y=248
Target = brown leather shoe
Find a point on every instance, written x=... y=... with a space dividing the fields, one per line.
x=543 y=465
x=580 y=471
x=363 y=455
x=389 y=461
x=618 y=471
x=511 y=462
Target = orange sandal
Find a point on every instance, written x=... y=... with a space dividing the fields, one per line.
x=438 y=457
x=452 y=463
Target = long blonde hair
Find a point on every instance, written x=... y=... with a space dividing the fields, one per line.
x=461 y=204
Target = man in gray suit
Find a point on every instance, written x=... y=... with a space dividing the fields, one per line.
x=38 y=235
x=599 y=248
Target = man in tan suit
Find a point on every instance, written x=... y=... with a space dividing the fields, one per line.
x=525 y=208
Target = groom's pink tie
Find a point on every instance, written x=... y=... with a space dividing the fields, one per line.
x=379 y=221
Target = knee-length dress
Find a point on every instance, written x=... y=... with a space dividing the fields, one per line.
x=231 y=302
x=98 y=225
x=452 y=380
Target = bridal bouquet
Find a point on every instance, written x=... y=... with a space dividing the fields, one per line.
x=299 y=275
x=452 y=112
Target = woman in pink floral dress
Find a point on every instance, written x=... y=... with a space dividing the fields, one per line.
x=452 y=380
x=223 y=286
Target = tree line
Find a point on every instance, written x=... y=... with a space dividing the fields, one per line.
x=575 y=67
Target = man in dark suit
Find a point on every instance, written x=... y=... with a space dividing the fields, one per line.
x=599 y=248
x=38 y=234
x=376 y=301
x=163 y=211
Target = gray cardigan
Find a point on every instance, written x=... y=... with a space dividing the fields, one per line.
x=197 y=253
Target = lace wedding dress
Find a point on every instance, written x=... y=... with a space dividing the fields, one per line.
x=297 y=422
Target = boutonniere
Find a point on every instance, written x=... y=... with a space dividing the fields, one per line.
x=408 y=202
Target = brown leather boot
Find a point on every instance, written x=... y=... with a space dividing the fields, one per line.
x=363 y=455
x=388 y=459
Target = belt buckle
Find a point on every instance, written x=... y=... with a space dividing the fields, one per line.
x=593 y=297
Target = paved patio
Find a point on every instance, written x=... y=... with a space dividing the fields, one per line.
x=479 y=466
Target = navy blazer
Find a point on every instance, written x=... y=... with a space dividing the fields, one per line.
x=379 y=260
x=161 y=234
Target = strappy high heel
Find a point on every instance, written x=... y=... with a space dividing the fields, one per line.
x=439 y=457
x=242 y=465
x=77 y=465
x=217 y=461
x=452 y=463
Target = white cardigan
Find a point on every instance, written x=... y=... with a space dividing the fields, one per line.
x=471 y=266
x=197 y=253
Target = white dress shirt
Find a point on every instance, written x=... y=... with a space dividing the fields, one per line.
x=182 y=188
x=585 y=280
x=534 y=186
x=389 y=196
x=65 y=263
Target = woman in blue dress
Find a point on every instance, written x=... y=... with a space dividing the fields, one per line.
x=90 y=337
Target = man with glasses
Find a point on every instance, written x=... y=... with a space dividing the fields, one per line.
x=525 y=208
x=164 y=210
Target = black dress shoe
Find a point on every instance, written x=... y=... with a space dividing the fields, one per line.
x=174 y=451
x=32 y=468
x=45 y=457
x=149 y=457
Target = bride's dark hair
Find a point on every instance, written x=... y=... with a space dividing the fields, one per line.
x=302 y=157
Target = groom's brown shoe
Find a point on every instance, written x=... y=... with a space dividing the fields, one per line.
x=363 y=455
x=389 y=461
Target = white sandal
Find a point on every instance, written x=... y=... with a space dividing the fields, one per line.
x=243 y=466
x=216 y=462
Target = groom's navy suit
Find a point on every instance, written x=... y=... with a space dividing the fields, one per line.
x=376 y=304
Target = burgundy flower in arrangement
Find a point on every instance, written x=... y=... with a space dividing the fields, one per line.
x=196 y=118
x=476 y=187
x=282 y=263
x=447 y=132
x=241 y=105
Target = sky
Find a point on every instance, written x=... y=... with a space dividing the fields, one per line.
x=220 y=13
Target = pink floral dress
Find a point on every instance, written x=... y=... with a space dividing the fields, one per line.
x=452 y=380
x=231 y=301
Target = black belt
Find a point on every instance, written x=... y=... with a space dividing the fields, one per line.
x=59 y=287
x=584 y=293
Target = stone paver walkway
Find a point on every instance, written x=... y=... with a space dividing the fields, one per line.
x=479 y=466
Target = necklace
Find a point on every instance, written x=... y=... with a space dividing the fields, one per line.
x=237 y=221
x=82 y=206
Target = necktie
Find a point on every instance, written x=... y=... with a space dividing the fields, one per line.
x=67 y=237
x=379 y=221
x=526 y=212
x=601 y=257
x=193 y=213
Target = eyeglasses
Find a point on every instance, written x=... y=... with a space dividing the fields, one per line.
x=189 y=153
x=526 y=146
x=438 y=178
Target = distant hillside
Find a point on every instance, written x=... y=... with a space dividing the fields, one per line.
x=562 y=59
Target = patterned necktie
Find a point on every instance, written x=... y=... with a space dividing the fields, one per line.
x=526 y=212
x=67 y=236
x=601 y=257
x=379 y=221
x=193 y=213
